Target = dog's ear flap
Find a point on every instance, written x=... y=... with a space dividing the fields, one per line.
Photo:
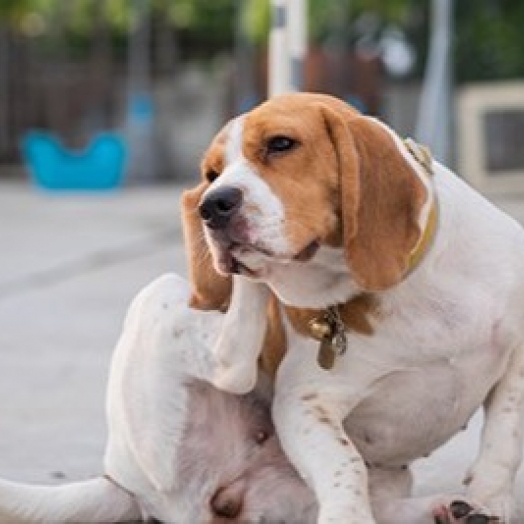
x=382 y=197
x=210 y=290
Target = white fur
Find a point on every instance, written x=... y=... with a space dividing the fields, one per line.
x=234 y=140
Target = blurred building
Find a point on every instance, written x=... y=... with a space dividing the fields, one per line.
x=167 y=73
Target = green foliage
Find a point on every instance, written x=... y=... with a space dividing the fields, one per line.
x=488 y=33
x=488 y=39
x=324 y=16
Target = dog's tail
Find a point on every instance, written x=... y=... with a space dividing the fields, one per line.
x=93 y=501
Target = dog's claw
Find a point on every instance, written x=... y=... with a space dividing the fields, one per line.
x=461 y=512
x=460 y=509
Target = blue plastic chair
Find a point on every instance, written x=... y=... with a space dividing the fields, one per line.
x=100 y=166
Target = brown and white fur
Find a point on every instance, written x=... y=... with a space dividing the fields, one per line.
x=328 y=207
x=179 y=450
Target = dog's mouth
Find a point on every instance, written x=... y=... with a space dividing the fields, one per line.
x=307 y=253
x=252 y=260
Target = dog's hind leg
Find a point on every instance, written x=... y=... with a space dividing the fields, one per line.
x=165 y=344
x=241 y=337
x=94 y=501
x=491 y=478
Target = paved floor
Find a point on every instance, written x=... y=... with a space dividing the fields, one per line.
x=69 y=265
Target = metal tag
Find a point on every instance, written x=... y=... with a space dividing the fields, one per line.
x=326 y=354
x=330 y=331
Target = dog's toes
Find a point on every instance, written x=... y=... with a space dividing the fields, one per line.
x=462 y=512
x=460 y=509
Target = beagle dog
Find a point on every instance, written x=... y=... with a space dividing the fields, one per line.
x=179 y=450
x=396 y=306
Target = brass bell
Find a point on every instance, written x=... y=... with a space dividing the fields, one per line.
x=320 y=329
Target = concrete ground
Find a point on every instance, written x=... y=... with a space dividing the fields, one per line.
x=69 y=266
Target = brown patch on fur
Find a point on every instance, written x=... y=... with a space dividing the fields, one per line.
x=321 y=410
x=275 y=342
x=210 y=290
x=304 y=179
x=381 y=200
x=345 y=184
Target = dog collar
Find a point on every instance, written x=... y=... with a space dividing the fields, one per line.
x=424 y=243
x=422 y=156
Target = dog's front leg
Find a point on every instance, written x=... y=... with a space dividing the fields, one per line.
x=492 y=476
x=241 y=337
x=308 y=417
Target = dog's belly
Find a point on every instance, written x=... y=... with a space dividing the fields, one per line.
x=412 y=412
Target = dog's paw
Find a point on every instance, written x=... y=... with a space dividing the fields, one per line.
x=461 y=512
x=237 y=379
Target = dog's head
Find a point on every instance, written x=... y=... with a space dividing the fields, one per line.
x=304 y=180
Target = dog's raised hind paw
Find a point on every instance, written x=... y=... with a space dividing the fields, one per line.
x=462 y=512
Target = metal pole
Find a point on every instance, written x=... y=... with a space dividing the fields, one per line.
x=142 y=165
x=297 y=42
x=4 y=89
x=139 y=48
x=434 y=126
x=245 y=91
x=278 y=59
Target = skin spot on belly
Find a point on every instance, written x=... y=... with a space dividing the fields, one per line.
x=309 y=397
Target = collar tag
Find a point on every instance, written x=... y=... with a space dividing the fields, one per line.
x=330 y=331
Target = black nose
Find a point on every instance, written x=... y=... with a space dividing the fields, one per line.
x=227 y=503
x=219 y=206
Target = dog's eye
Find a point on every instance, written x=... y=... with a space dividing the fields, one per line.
x=211 y=175
x=280 y=144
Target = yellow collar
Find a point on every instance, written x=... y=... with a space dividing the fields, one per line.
x=425 y=239
x=423 y=156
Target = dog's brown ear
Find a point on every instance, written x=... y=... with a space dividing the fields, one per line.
x=382 y=197
x=210 y=290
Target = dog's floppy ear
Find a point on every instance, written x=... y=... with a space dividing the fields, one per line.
x=382 y=197
x=210 y=290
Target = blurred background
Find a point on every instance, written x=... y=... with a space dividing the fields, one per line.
x=165 y=74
